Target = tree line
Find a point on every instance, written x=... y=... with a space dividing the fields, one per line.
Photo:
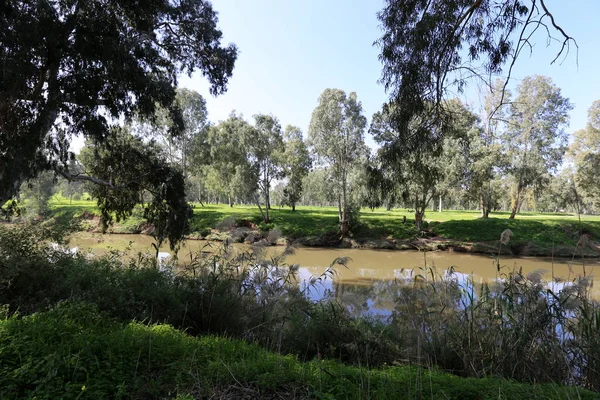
x=82 y=68
x=513 y=154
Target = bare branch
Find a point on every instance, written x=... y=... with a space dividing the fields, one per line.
x=567 y=39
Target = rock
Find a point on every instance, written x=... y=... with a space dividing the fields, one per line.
x=346 y=243
x=493 y=249
x=218 y=236
x=310 y=241
x=281 y=242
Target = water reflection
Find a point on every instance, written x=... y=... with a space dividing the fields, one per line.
x=369 y=283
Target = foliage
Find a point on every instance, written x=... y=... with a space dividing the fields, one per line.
x=230 y=172
x=133 y=167
x=535 y=137
x=297 y=164
x=484 y=156
x=73 y=351
x=336 y=133
x=419 y=169
x=318 y=188
x=430 y=48
x=189 y=146
x=38 y=191
x=265 y=147
x=585 y=153
x=72 y=67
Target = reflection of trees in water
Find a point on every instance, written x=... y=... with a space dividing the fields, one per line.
x=374 y=297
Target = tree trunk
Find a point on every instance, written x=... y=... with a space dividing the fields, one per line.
x=267 y=199
x=344 y=222
x=293 y=206
x=440 y=207
x=515 y=206
x=419 y=220
x=267 y=219
x=264 y=216
x=485 y=210
x=230 y=201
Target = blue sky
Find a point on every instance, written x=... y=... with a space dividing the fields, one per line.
x=290 y=51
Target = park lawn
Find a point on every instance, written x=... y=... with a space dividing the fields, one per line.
x=546 y=229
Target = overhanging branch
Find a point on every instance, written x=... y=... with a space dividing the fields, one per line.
x=86 y=178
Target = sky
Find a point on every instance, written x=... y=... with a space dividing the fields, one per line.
x=290 y=51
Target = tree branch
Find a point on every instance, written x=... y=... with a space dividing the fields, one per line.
x=86 y=178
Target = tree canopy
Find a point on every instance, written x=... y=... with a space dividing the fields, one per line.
x=431 y=47
x=78 y=67
x=336 y=132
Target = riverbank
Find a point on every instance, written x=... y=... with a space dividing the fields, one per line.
x=72 y=352
x=74 y=332
x=533 y=234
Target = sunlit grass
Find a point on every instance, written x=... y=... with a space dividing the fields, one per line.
x=544 y=228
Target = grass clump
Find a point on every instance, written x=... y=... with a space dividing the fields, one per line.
x=73 y=352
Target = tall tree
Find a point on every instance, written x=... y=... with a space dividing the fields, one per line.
x=230 y=172
x=486 y=149
x=76 y=67
x=38 y=192
x=418 y=171
x=296 y=162
x=337 y=134
x=264 y=145
x=432 y=47
x=535 y=138
x=191 y=141
x=585 y=153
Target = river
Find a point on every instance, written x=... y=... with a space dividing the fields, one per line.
x=367 y=267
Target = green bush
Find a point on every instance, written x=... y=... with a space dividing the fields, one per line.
x=74 y=352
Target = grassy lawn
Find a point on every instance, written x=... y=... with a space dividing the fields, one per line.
x=544 y=228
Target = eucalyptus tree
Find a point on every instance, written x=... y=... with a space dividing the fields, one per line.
x=78 y=67
x=431 y=48
x=296 y=163
x=230 y=171
x=264 y=145
x=75 y=189
x=418 y=169
x=486 y=149
x=37 y=193
x=191 y=141
x=132 y=166
x=585 y=154
x=535 y=138
x=318 y=187
x=336 y=133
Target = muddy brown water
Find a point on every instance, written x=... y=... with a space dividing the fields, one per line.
x=368 y=268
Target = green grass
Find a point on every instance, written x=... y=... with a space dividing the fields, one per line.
x=544 y=229
x=72 y=352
